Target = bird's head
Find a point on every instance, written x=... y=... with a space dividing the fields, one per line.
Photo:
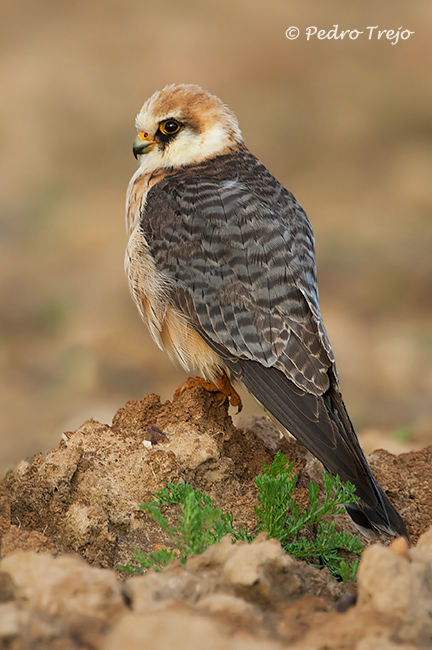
x=183 y=124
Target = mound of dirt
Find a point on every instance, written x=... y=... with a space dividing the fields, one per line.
x=69 y=517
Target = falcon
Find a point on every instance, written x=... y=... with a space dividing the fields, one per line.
x=221 y=264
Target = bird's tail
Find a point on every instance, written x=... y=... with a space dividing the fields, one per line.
x=374 y=510
x=367 y=518
x=322 y=425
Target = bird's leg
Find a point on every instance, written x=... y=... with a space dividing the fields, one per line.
x=222 y=385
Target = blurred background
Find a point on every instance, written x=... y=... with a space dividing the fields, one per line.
x=344 y=124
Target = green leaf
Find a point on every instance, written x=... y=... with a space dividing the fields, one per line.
x=200 y=524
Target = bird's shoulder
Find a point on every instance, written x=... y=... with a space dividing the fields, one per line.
x=227 y=194
x=236 y=172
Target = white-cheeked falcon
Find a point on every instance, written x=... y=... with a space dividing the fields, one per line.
x=221 y=264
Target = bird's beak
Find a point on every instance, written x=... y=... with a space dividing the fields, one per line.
x=142 y=144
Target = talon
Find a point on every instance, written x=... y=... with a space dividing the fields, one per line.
x=225 y=387
x=222 y=386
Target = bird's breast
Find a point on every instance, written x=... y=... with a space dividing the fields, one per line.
x=139 y=186
x=153 y=292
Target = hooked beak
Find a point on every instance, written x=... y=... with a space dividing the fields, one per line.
x=142 y=144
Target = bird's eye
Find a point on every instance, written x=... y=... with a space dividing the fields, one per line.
x=169 y=127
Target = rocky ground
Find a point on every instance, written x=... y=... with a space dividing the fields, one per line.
x=69 y=517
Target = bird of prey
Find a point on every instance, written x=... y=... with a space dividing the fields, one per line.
x=221 y=265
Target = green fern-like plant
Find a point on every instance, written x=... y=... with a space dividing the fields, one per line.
x=200 y=524
x=280 y=516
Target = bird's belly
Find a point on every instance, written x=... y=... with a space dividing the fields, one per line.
x=168 y=326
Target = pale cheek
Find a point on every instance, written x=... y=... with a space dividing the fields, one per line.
x=216 y=140
x=183 y=150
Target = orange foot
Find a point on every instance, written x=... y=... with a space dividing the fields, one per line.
x=222 y=386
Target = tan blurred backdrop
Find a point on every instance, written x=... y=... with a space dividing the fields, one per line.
x=344 y=124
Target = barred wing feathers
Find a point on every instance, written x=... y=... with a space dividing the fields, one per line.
x=238 y=252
